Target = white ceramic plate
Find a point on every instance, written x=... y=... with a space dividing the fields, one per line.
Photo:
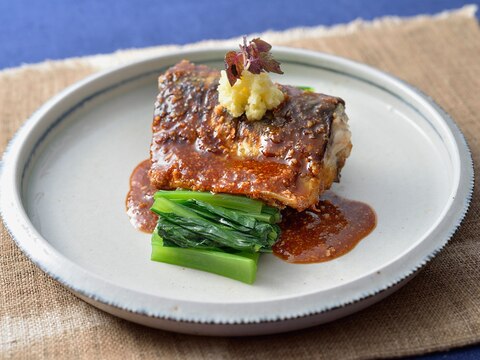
x=66 y=172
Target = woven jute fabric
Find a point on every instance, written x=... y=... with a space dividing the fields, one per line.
x=438 y=310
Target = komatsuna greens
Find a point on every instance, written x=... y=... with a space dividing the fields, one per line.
x=219 y=233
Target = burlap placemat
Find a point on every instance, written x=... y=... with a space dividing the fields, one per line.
x=438 y=310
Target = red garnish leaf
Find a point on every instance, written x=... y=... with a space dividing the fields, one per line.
x=255 y=57
x=262 y=46
x=270 y=64
x=255 y=65
x=233 y=66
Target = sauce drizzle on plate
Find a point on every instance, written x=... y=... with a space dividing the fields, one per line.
x=140 y=199
x=332 y=230
x=311 y=236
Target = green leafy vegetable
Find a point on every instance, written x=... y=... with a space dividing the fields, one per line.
x=177 y=229
x=200 y=225
x=306 y=88
x=213 y=227
x=254 y=57
x=225 y=200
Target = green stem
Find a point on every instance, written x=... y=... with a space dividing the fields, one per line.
x=162 y=205
x=239 y=266
x=228 y=201
x=306 y=88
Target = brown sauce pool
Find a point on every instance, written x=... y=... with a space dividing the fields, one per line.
x=140 y=199
x=319 y=235
x=311 y=236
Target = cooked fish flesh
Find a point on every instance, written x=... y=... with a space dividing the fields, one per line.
x=288 y=158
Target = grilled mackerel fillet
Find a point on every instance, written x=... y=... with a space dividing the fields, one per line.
x=288 y=158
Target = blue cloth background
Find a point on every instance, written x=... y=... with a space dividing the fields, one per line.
x=32 y=31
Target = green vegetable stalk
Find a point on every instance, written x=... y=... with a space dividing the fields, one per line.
x=219 y=233
x=239 y=266
x=306 y=88
x=234 y=202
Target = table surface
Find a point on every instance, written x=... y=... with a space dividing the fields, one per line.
x=31 y=32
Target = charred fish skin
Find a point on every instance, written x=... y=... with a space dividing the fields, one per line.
x=288 y=158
